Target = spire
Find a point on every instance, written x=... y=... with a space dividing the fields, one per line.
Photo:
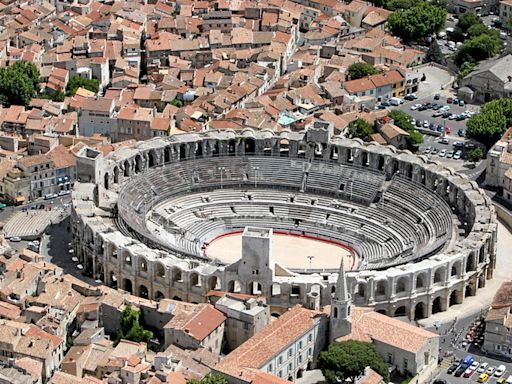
x=341 y=285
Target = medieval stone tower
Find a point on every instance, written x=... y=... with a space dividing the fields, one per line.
x=341 y=303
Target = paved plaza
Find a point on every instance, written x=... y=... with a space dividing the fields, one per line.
x=31 y=224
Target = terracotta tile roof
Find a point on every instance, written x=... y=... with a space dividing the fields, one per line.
x=503 y=296
x=268 y=378
x=391 y=131
x=371 y=326
x=203 y=320
x=271 y=340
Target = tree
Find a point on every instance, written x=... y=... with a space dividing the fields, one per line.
x=348 y=359
x=130 y=328
x=18 y=83
x=418 y=22
x=403 y=120
x=177 y=103
x=434 y=54
x=489 y=125
x=465 y=69
x=209 y=379
x=361 y=129
x=76 y=82
x=477 y=49
x=477 y=30
x=358 y=70
x=467 y=20
x=476 y=155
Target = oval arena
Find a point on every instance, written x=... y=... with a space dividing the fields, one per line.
x=165 y=218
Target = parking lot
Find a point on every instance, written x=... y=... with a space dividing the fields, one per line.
x=482 y=363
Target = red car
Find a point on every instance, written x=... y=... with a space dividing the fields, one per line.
x=469 y=372
x=447 y=129
x=449 y=100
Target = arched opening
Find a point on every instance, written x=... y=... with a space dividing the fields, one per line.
x=143 y=292
x=365 y=162
x=159 y=296
x=143 y=264
x=401 y=285
x=126 y=168
x=420 y=311
x=199 y=149
x=408 y=171
x=470 y=266
x=151 y=159
x=335 y=312
x=455 y=271
x=360 y=292
x=234 y=286
x=436 y=305
x=112 y=281
x=167 y=154
x=276 y=289
x=400 y=311
x=255 y=288
x=420 y=281
x=194 y=280
x=183 y=152
x=334 y=153
x=215 y=149
x=214 y=283
x=381 y=311
x=231 y=147
x=468 y=291
x=127 y=259
x=381 y=164
x=439 y=275
x=177 y=298
x=160 y=271
x=116 y=175
x=138 y=164
x=381 y=289
x=333 y=289
x=249 y=146
x=284 y=147
x=453 y=298
x=300 y=373
x=106 y=182
x=128 y=286
x=176 y=276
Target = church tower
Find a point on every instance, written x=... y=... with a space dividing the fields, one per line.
x=340 y=322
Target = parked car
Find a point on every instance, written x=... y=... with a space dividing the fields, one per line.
x=449 y=100
x=15 y=239
x=428 y=149
x=458 y=144
x=444 y=140
x=509 y=380
x=411 y=97
x=490 y=370
x=469 y=146
x=462 y=103
x=461 y=133
x=452 y=368
x=460 y=371
x=456 y=101
x=437 y=114
x=435 y=151
x=501 y=380
x=482 y=368
x=446 y=115
x=500 y=370
x=460 y=117
x=418 y=123
x=64 y=193
x=437 y=96
x=449 y=155
x=447 y=129
x=452 y=116
x=415 y=107
x=468 y=372
x=442 y=153
x=474 y=365
x=425 y=124
x=50 y=196
x=483 y=378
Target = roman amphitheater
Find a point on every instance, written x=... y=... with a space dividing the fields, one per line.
x=274 y=215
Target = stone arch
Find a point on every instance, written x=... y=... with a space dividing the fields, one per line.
x=234 y=286
x=116 y=175
x=470 y=263
x=138 y=164
x=284 y=147
x=231 y=147
x=250 y=146
x=381 y=288
x=167 y=154
x=382 y=311
x=199 y=149
x=214 y=283
x=128 y=286
x=400 y=311
x=143 y=292
x=333 y=289
x=421 y=281
x=456 y=269
x=255 y=288
x=126 y=167
x=439 y=275
x=194 y=279
x=177 y=275
x=402 y=285
x=160 y=271
x=420 y=311
x=436 y=305
x=143 y=264
x=106 y=182
x=127 y=258
x=360 y=291
x=151 y=159
x=159 y=296
x=182 y=152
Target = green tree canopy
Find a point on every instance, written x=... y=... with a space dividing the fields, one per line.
x=358 y=70
x=209 y=379
x=348 y=359
x=76 y=82
x=477 y=49
x=18 y=83
x=130 y=328
x=465 y=69
x=418 y=22
x=434 y=54
x=467 y=20
x=404 y=121
x=177 y=103
x=361 y=129
x=493 y=120
x=476 y=155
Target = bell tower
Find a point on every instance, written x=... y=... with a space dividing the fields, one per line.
x=341 y=303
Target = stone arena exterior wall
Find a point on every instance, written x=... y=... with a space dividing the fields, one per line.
x=414 y=289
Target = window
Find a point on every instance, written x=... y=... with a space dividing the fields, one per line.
x=310 y=352
x=290 y=367
x=300 y=344
x=290 y=352
x=269 y=368
x=406 y=363
x=310 y=338
x=280 y=360
x=245 y=325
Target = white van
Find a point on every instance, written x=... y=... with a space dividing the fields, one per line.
x=509 y=380
x=395 y=101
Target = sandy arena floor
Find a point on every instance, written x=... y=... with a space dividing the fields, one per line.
x=288 y=250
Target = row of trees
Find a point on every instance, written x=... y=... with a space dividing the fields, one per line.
x=18 y=83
